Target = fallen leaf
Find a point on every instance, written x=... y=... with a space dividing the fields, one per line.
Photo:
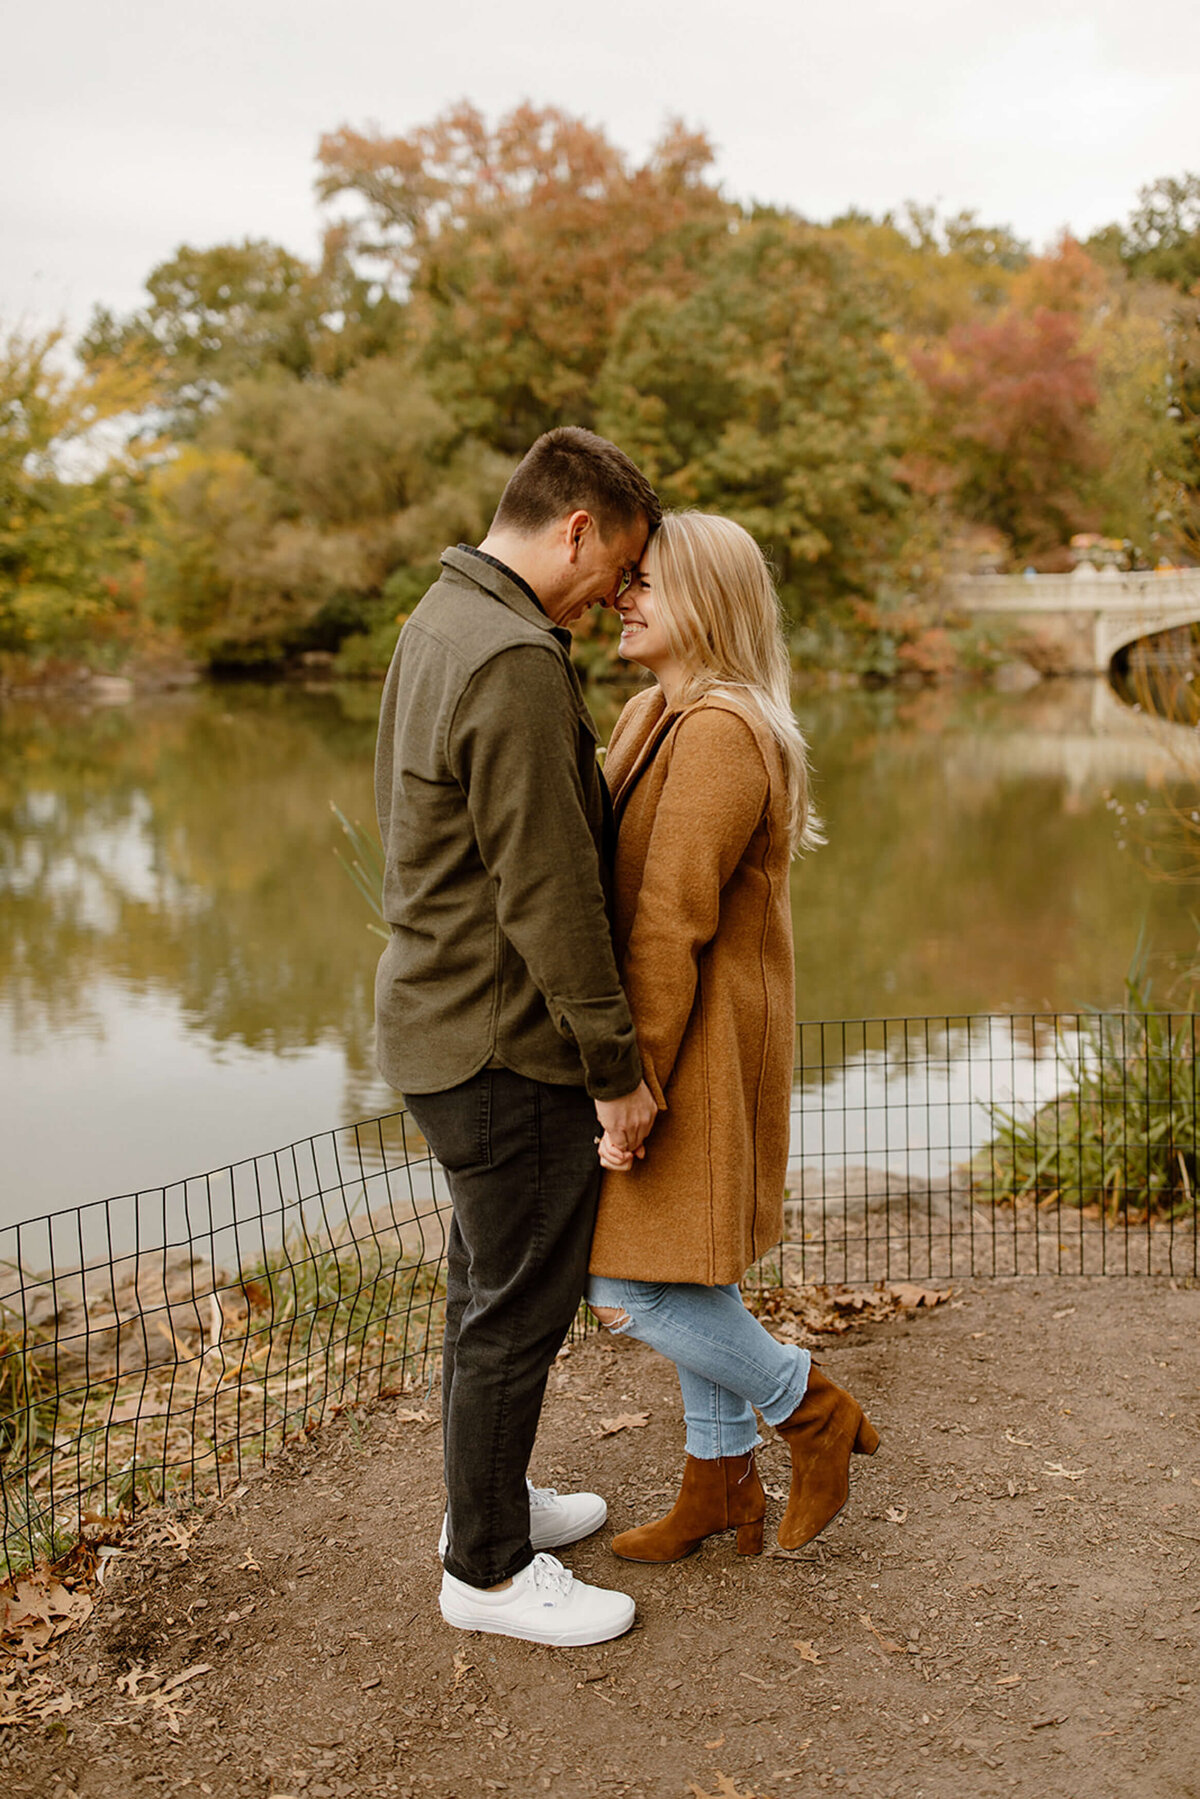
x=625 y=1421
x=38 y=1608
x=186 y=1674
x=716 y=1743
x=807 y=1653
x=1009 y=1680
x=132 y=1679
x=911 y=1297
x=462 y=1667
x=897 y=1514
x=1058 y=1472
x=410 y=1417
x=725 y=1789
x=886 y=1645
x=1018 y=1442
x=789 y=1312
x=248 y=1563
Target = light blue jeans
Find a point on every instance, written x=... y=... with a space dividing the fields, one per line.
x=727 y=1363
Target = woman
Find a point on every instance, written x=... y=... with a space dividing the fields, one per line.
x=708 y=776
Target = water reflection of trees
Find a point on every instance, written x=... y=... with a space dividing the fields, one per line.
x=186 y=846
x=957 y=879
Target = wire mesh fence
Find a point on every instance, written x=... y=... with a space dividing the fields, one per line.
x=163 y=1342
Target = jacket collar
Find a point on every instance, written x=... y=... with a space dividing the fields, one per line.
x=503 y=585
x=657 y=725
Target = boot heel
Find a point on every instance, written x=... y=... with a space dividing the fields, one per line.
x=867 y=1440
x=750 y=1538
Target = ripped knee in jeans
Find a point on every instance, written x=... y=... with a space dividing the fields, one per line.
x=613 y=1318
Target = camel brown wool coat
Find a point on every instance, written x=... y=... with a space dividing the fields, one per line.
x=704 y=942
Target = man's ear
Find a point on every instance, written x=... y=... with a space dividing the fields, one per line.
x=577 y=527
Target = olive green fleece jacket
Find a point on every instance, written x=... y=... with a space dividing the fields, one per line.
x=494 y=816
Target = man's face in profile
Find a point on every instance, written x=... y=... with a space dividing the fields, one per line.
x=603 y=568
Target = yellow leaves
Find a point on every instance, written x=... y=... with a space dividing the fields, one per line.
x=808 y=1653
x=624 y=1421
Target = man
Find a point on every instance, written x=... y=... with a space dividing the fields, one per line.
x=499 y=1013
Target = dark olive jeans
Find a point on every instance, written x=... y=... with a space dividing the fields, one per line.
x=520 y=1160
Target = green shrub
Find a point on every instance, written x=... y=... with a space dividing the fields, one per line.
x=1121 y=1136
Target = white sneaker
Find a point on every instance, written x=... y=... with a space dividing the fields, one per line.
x=544 y=1604
x=555 y=1519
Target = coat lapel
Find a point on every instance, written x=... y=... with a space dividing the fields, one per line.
x=634 y=756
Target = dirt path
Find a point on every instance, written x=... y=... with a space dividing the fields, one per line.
x=1009 y=1603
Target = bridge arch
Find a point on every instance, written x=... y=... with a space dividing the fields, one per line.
x=1100 y=612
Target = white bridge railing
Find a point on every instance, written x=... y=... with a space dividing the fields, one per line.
x=1118 y=608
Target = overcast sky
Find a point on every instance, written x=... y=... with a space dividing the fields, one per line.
x=128 y=127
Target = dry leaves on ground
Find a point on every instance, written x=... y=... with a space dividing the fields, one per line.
x=725 y=1790
x=887 y=1645
x=625 y=1421
x=164 y=1695
x=37 y=1608
x=32 y=1698
x=829 y=1311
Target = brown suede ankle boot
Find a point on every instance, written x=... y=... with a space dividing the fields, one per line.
x=715 y=1496
x=827 y=1427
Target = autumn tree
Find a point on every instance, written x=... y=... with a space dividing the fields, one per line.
x=70 y=500
x=519 y=246
x=279 y=528
x=768 y=392
x=928 y=273
x=1009 y=433
x=1162 y=237
x=218 y=315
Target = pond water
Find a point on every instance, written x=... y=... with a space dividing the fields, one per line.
x=186 y=971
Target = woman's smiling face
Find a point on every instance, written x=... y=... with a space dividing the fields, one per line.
x=643 y=638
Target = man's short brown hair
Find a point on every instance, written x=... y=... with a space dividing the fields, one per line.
x=572 y=470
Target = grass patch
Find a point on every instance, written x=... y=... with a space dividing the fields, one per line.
x=1119 y=1139
x=86 y=1437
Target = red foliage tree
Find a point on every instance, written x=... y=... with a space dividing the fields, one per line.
x=1009 y=432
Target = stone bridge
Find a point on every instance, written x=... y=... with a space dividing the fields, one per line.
x=1083 y=620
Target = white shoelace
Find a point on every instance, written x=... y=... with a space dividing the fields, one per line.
x=550 y=1577
x=541 y=1496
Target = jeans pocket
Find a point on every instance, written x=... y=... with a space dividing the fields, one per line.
x=457 y=1123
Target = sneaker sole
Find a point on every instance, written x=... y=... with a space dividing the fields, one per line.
x=555 y=1639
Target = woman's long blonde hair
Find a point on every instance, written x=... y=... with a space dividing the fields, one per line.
x=714 y=594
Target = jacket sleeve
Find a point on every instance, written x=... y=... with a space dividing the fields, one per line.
x=715 y=794
x=514 y=748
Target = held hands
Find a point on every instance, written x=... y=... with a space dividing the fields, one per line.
x=621 y=1160
x=625 y=1124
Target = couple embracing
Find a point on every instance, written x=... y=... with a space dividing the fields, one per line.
x=587 y=1001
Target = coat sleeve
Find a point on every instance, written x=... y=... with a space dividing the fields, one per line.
x=514 y=749
x=716 y=791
